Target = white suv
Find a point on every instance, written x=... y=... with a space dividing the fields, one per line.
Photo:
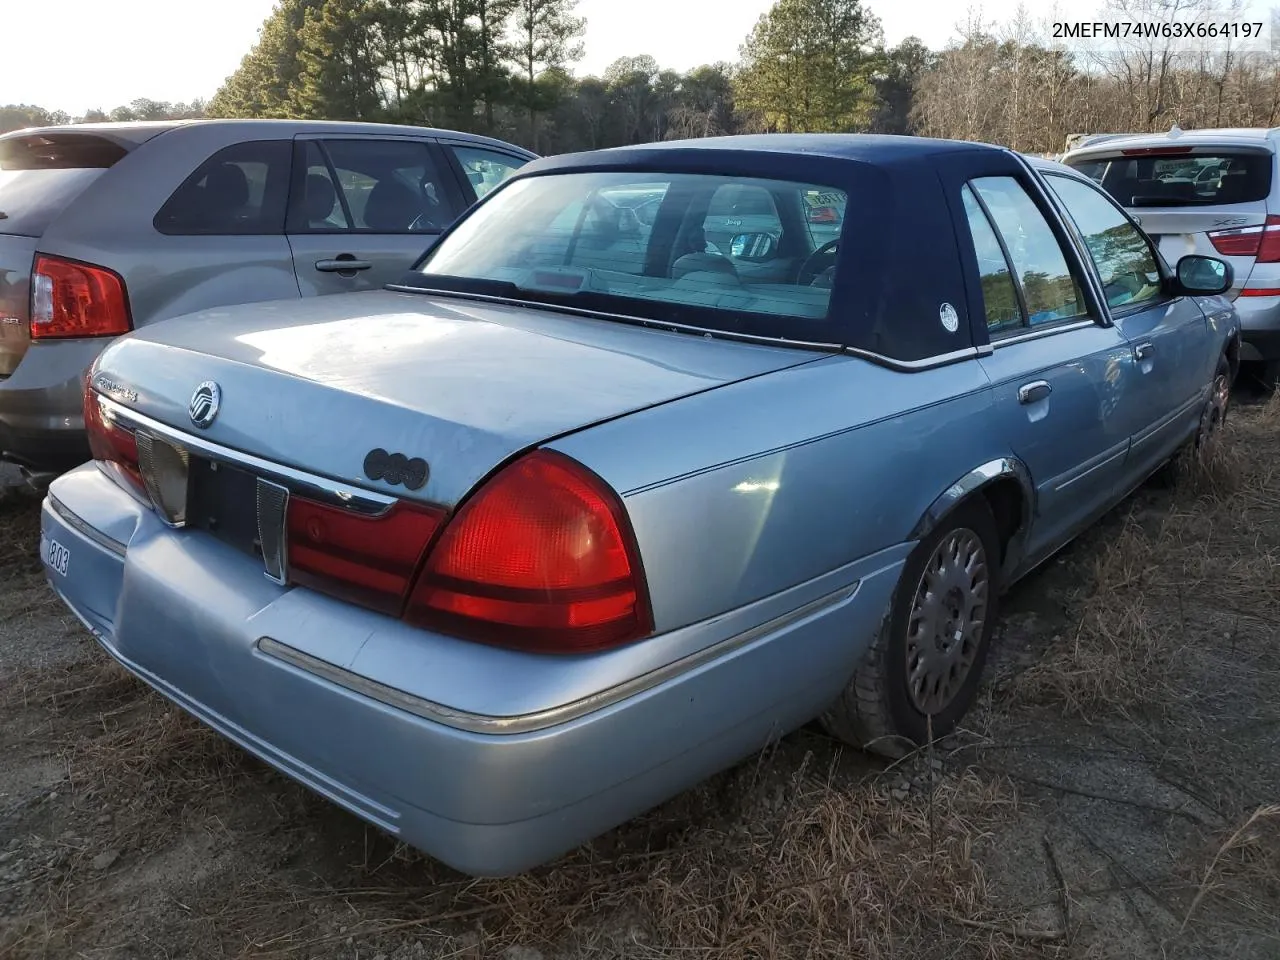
x=1212 y=192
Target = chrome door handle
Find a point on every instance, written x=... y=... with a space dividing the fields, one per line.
x=1036 y=390
x=342 y=266
x=1144 y=350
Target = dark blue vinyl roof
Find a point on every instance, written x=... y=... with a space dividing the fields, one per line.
x=901 y=266
x=764 y=150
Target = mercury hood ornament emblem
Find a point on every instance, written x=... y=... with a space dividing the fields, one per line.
x=204 y=404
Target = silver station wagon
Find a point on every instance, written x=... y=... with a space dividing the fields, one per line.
x=589 y=506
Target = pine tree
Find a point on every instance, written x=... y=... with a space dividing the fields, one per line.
x=547 y=37
x=808 y=65
x=265 y=83
x=339 y=71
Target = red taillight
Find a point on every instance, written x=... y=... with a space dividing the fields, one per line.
x=822 y=215
x=367 y=560
x=110 y=442
x=540 y=558
x=1261 y=242
x=70 y=299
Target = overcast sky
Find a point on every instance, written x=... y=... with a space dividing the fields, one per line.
x=74 y=55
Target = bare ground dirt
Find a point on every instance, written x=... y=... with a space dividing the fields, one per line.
x=1117 y=794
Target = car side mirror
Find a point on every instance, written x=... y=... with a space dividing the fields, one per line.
x=753 y=247
x=1203 y=276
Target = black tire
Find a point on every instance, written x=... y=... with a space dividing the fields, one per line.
x=877 y=710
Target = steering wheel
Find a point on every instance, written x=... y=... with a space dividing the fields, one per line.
x=815 y=262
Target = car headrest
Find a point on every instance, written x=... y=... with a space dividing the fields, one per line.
x=226 y=187
x=318 y=197
x=391 y=207
x=702 y=263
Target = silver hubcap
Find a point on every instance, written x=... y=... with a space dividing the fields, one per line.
x=947 y=619
x=1215 y=414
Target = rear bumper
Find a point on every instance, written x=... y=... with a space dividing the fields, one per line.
x=187 y=615
x=42 y=406
x=1259 y=328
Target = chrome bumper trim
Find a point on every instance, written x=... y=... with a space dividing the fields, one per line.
x=82 y=528
x=330 y=491
x=530 y=722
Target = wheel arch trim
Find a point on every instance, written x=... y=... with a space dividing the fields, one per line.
x=975 y=481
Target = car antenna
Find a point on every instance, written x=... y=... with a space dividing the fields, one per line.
x=1175 y=131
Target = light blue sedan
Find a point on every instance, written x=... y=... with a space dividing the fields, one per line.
x=582 y=511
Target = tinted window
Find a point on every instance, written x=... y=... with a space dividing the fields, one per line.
x=1121 y=253
x=374 y=186
x=1048 y=287
x=577 y=238
x=241 y=189
x=1093 y=169
x=1182 y=180
x=40 y=174
x=999 y=297
x=320 y=209
x=485 y=169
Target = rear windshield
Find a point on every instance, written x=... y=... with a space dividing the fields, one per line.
x=725 y=253
x=40 y=174
x=1182 y=179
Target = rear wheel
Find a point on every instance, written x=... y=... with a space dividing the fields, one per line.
x=1214 y=415
x=922 y=671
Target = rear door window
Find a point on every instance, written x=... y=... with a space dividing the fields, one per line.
x=40 y=174
x=999 y=295
x=240 y=190
x=1126 y=263
x=1048 y=289
x=1199 y=179
x=371 y=186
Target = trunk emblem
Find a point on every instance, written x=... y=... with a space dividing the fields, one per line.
x=204 y=404
x=395 y=468
x=114 y=390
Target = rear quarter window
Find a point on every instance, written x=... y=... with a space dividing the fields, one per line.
x=41 y=174
x=1199 y=179
x=240 y=190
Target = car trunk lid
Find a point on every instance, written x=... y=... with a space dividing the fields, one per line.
x=317 y=385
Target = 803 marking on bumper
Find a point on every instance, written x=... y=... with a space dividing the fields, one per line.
x=55 y=556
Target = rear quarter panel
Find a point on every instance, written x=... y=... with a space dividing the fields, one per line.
x=111 y=224
x=744 y=491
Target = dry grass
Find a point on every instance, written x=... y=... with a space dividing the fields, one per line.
x=815 y=870
x=1244 y=872
x=829 y=872
x=775 y=859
